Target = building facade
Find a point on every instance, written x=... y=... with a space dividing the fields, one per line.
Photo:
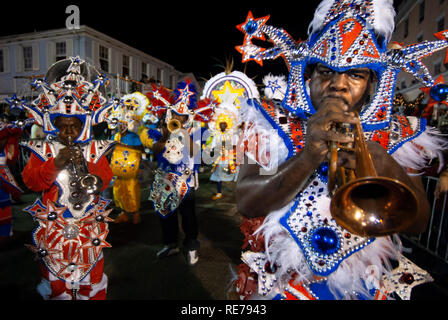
x=416 y=21
x=27 y=56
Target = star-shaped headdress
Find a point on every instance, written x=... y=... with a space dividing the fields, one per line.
x=72 y=96
x=344 y=34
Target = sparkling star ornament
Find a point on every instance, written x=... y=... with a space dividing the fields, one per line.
x=228 y=94
x=405 y=277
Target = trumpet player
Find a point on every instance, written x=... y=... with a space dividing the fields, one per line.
x=70 y=170
x=175 y=181
x=295 y=247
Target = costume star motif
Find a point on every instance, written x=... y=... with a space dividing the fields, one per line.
x=251 y=52
x=15 y=102
x=42 y=245
x=273 y=86
x=75 y=66
x=42 y=215
x=185 y=94
x=65 y=263
x=228 y=94
x=252 y=27
x=92 y=218
x=102 y=244
x=409 y=59
x=394 y=282
x=257 y=262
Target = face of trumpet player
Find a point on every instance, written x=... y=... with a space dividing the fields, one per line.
x=335 y=96
x=69 y=129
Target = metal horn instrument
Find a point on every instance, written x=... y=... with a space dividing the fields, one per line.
x=82 y=183
x=363 y=202
x=173 y=125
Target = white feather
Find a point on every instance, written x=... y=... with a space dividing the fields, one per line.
x=319 y=16
x=417 y=154
x=275 y=86
x=384 y=18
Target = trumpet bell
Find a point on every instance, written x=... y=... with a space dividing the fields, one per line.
x=374 y=206
x=173 y=125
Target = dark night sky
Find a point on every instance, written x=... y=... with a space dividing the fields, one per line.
x=193 y=36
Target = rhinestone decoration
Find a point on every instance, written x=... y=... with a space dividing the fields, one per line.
x=406 y=276
x=257 y=261
x=70 y=232
x=324 y=243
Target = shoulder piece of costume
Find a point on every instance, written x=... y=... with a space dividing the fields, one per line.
x=72 y=96
x=45 y=150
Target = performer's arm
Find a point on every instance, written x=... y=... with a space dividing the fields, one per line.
x=39 y=175
x=258 y=195
x=160 y=144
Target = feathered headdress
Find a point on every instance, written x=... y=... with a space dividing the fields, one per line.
x=344 y=34
x=183 y=102
x=72 y=96
x=229 y=89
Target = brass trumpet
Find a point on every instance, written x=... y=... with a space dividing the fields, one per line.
x=363 y=202
x=82 y=184
x=173 y=125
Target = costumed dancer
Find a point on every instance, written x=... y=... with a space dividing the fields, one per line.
x=175 y=181
x=227 y=89
x=307 y=234
x=126 y=118
x=10 y=134
x=71 y=170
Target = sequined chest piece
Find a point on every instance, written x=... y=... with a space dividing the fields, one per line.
x=324 y=243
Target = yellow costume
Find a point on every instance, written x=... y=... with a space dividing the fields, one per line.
x=125 y=164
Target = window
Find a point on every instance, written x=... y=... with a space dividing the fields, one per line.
x=61 y=50
x=28 y=58
x=172 y=81
x=2 y=62
x=421 y=11
x=403 y=84
x=420 y=38
x=160 y=75
x=441 y=24
x=145 y=71
x=104 y=58
x=126 y=64
x=406 y=27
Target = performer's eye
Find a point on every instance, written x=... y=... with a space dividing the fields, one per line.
x=325 y=71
